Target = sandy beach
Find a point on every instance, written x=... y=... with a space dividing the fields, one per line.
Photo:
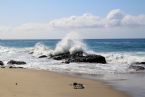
x=39 y=83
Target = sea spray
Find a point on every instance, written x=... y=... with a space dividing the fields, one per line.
x=70 y=43
x=41 y=49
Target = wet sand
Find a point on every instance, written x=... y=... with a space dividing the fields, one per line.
x=40 y=83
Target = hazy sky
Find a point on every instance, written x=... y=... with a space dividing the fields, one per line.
x=43 y=19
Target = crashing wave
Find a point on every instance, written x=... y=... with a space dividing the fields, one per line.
x=70 y=43
x=41 y=49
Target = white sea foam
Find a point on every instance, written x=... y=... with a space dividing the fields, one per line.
x=124 y=57
x=70 y=43
x=116 y=61
x=41 y=49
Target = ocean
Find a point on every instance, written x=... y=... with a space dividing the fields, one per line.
x=119 y=54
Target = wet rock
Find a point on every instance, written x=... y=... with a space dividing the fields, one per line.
x=42 y=56
x=79 y=57
x=88 y=59
x=66 y=61
x=61 y=56
x=78 y=85
x=77 y=54
x=31 y=52
x=139 y=63
x=16 y=62
x=1 y=63
x=16 y=67
x=138 y=66
x=95 y=59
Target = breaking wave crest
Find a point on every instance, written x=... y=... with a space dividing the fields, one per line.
x=41 y=49
x=70 y=43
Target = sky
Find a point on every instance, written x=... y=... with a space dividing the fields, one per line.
x=50 y=19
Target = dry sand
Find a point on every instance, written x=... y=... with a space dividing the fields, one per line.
x=38 y=83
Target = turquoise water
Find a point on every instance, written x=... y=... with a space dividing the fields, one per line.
x=98 y=45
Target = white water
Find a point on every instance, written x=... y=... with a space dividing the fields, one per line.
x=70 y=43
x=41 y=49
x=116 y=62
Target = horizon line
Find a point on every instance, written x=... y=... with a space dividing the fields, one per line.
x=62 y=38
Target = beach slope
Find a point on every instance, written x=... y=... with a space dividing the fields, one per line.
x=38 y=83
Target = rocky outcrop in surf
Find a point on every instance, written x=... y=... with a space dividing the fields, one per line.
x=88 y=58
x=138 y=66
x=79 y=57
x=12 y=64
x=42 y=56
x=16 y=62
x=71 y=49
x=1 y=63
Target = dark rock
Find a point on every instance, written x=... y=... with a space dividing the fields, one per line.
x=139 y=63
x=1 y=63
x=61 y=56
x=142 y=62
x=78 y=85
x=95 y=58
x=66 y=55
x=67 y=61
x=75 y=83
x=16 y=62
x=12 y=67
x=78 y=57
x=16 y=67
x=138 y=66
x=31 y=52
x=77 y=54
x=88 y=59
x=42 y=56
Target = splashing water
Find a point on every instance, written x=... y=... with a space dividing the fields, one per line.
x=70 y=43
x=41 y=49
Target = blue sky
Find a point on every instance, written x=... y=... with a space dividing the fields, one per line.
x=19 y=16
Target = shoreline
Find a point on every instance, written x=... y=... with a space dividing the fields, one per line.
x=88 y=77
x=43 y=83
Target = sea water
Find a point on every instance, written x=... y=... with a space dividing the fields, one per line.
x=119 y=54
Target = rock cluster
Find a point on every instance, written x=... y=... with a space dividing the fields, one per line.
x=12 y=64
x=16 y=62
x=1 y=63
x=79 y=57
